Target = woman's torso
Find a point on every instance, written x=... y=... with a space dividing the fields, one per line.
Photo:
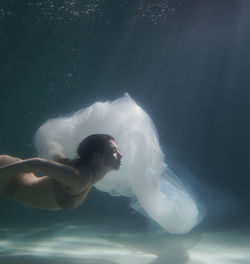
x=41 y=192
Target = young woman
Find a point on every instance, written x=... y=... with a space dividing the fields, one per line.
x=67 y=181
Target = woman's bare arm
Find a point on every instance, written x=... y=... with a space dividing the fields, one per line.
x=64 y=174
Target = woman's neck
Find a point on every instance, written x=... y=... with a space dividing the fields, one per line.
x=97 y=170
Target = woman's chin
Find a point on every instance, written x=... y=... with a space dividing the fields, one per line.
x=117 y=166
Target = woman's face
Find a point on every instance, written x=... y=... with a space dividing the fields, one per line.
x=112 y=156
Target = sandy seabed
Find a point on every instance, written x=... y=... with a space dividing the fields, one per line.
x=90 y=242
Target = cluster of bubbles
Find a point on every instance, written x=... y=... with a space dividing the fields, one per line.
x=152 y=11
x=143 y=10
x=73 y=9
x=52 y=9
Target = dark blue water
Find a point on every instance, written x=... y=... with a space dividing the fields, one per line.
x=185 y=62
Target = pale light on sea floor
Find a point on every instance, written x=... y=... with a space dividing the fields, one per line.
x=95 y=243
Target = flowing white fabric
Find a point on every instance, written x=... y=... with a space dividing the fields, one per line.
x=143 y=172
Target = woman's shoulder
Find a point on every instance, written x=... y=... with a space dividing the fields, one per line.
x=85 y=170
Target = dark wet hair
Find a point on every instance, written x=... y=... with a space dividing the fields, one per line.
x=95 y=143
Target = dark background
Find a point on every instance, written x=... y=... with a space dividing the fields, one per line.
x=185 y=62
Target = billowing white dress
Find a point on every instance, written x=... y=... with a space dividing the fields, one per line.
x=143 y=173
